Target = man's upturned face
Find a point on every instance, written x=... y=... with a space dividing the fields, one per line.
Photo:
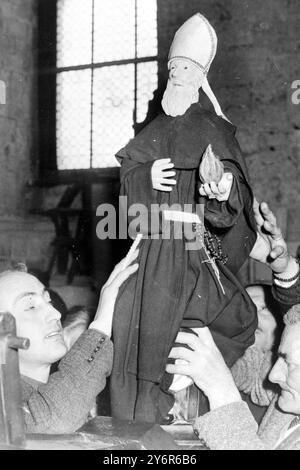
x=286 y=371
x=24 y=296
x=265 y=332
x=185 y=79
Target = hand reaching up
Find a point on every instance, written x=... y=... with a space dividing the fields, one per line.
x=270 y=247
x=204 y=363
x=122 y=271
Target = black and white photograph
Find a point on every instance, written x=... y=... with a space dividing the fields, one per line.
x=149 y=227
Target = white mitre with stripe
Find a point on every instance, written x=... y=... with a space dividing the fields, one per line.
x=196 y=41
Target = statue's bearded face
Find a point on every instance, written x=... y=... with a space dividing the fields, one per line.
x=182 y=90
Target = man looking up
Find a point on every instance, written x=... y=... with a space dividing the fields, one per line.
x=60 y=402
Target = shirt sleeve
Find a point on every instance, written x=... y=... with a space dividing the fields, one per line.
x=287 y=297
x=62 y=405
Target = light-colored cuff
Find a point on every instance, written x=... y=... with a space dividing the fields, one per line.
x=285 y=285
x=291 y=271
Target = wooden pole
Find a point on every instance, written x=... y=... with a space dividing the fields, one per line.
x=11 y=413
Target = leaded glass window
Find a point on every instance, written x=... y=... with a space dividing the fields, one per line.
x=106 y=75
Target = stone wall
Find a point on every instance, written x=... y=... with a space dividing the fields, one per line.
x=22 y=237
x=17 y=116
x=256 y=64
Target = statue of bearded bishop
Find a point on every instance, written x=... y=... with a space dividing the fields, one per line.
x=175 y=287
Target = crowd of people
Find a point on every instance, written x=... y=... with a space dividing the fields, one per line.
x=85 y=365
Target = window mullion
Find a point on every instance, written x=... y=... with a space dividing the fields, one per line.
x=135 y=67
x=92 y=84
x=96 y=116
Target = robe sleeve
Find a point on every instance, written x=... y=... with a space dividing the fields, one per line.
x=223 y=215
x=143 y=202
x=233 y=220
x=136 y=182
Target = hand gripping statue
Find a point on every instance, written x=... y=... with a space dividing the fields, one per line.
x=175 y=287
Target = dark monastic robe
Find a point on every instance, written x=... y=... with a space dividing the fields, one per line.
x=175 y=287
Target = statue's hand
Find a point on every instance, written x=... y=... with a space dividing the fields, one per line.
x=161 y=177
x=219 y=191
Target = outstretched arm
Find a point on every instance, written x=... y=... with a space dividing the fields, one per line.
x=63 y=403
x=270 y=248
x=229 y=424
x=104 y=314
